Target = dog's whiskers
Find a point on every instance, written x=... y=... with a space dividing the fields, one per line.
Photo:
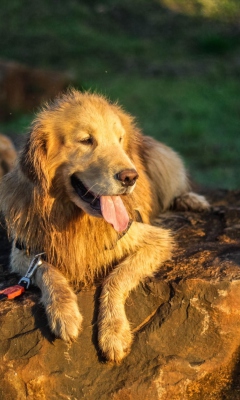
x=89 y=189
x=97 y=196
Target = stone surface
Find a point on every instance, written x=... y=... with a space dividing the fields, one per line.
x=186 y=323
x=22 y=88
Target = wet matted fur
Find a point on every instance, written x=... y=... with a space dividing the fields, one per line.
x=72 y=193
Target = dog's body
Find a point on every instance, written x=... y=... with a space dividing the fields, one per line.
x=73 y=196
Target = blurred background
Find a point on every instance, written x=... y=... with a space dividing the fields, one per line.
x=174 y=64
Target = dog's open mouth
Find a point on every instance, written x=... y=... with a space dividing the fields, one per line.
x=111 y=208
x=85 y=194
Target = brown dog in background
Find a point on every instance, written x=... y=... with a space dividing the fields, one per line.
x=83 y=179
x=8 y=155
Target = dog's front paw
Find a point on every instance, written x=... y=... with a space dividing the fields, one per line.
x=191 y=202
x=64 y=318
x=114 y=338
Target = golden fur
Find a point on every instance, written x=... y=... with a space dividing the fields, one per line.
x=86 y=135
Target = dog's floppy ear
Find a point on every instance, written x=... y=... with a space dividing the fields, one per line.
x=33 y=158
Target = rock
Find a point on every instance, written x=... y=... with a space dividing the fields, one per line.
x=186 y=322
x=22 y=88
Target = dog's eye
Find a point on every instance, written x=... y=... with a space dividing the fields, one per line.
x=87 y=141
x=120 y=139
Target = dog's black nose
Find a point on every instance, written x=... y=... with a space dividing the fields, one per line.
x=128 y=177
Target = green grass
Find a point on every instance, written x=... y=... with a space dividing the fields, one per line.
x=191 y=116
x=178 y=75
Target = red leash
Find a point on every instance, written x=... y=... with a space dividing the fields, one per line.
x=11 y=292
x=24 y=283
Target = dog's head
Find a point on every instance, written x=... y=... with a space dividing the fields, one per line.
x=83 y=143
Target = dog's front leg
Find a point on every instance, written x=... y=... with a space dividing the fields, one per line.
x=60 y=302
x=151 y=247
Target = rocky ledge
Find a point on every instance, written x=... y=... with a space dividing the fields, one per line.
x=186 y=323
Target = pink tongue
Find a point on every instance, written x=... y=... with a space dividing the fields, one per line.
x=114 y=212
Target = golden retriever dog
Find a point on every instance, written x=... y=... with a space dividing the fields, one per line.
x=85 y=189
x=7 y=155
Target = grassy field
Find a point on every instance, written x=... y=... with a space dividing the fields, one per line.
x=179 y=75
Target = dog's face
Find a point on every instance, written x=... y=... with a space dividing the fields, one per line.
x=86 y=141
x=97 y=162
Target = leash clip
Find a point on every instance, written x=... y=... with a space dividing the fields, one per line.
x=35 y=263
x=24 y=283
